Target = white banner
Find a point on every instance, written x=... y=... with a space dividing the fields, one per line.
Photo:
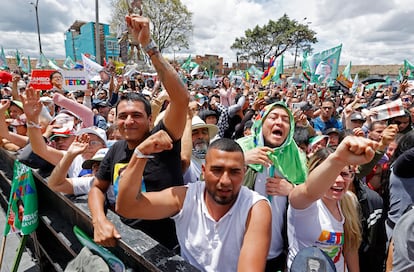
x=74 y=80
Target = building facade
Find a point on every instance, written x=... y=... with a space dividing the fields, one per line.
x=80 y=39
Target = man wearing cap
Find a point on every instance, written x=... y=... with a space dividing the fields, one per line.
x=333 y=134
x=101 y=119
x=202 y=133
x=58 y=180
x=357 y=120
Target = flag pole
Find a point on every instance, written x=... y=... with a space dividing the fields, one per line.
x=3 y=246
x=19 y=253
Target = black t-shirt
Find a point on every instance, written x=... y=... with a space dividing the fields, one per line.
x=161 y=172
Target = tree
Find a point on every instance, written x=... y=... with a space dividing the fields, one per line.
x=274 y=38
x=171 y=21
x=364 y=73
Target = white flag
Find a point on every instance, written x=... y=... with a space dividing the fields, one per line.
x=92 y=68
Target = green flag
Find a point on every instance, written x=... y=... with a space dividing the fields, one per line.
x=279 y=71
x=306 y=71
x=189 y=65
x=355 y=84
x=3 y=60
x=324 y=65
x=254 y=71
x=52 y=64
x=347 y=71
x=400 y=75
x=69 y=63
x=18 y=57
x=42 y=62
x=22 y=213
x=29 y=65
x=408 y=70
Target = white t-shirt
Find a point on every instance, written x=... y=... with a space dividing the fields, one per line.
x=76 y=166
x=205 y=243
x=278 y=204
x=82 y=185
x=193 y=173
x=316 y=226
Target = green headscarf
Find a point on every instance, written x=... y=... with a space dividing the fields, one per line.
x=287 y=159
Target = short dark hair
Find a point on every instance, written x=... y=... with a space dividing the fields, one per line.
x=226 y=144
x=53 y=73
x=135 y=97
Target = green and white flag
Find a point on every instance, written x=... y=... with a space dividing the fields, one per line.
x=408 y=69
x=18 y=58
x=306 y=71
x=3 y=60
x=69 y=63
x=22 y=215
x=324 y=65
x=189 y=65
x=347 y=71
x=42 y=62
x=279 y=71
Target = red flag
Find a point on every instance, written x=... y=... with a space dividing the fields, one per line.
x=5 y=77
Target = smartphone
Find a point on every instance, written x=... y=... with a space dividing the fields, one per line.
x=296 y=106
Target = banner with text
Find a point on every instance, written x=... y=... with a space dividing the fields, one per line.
x=41 y=79
x=22 y=214
x=74 y=80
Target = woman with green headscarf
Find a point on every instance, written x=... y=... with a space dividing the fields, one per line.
x=275 y=164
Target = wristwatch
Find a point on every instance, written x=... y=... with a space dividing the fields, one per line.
x=139 y=155
x=151 y=48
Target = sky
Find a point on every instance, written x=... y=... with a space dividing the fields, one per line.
x=371 y=31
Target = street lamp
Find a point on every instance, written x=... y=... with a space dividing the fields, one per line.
x=37 y=23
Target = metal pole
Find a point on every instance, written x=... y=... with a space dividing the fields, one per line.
x=97 y=33
x=37 y=24
x=73 y=44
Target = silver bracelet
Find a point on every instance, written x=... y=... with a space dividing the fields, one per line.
x=31 y=124
x=139 y=155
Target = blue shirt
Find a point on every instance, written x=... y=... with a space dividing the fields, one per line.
x=321 y=126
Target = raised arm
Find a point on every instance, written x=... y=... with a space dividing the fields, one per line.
x=175 y=116
x=353 y=150
x=32 y=108
x=58 y=181
x=85 y=113
x=256 y=238
x=19 y=140
x=131 y=202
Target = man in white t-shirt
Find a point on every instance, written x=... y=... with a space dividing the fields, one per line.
x=221 y=225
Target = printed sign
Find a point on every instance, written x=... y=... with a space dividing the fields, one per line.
x=74 y=80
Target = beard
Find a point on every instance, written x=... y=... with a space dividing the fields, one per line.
x=200 y=149
x=222 y=200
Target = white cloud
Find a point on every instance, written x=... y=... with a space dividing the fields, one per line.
x=371 y=31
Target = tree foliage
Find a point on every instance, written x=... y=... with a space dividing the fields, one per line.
x=274 y=38
x=171 y=22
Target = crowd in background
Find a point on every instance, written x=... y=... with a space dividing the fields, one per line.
x=46 y=129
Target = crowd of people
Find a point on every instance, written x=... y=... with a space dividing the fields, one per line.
x=235 y=177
